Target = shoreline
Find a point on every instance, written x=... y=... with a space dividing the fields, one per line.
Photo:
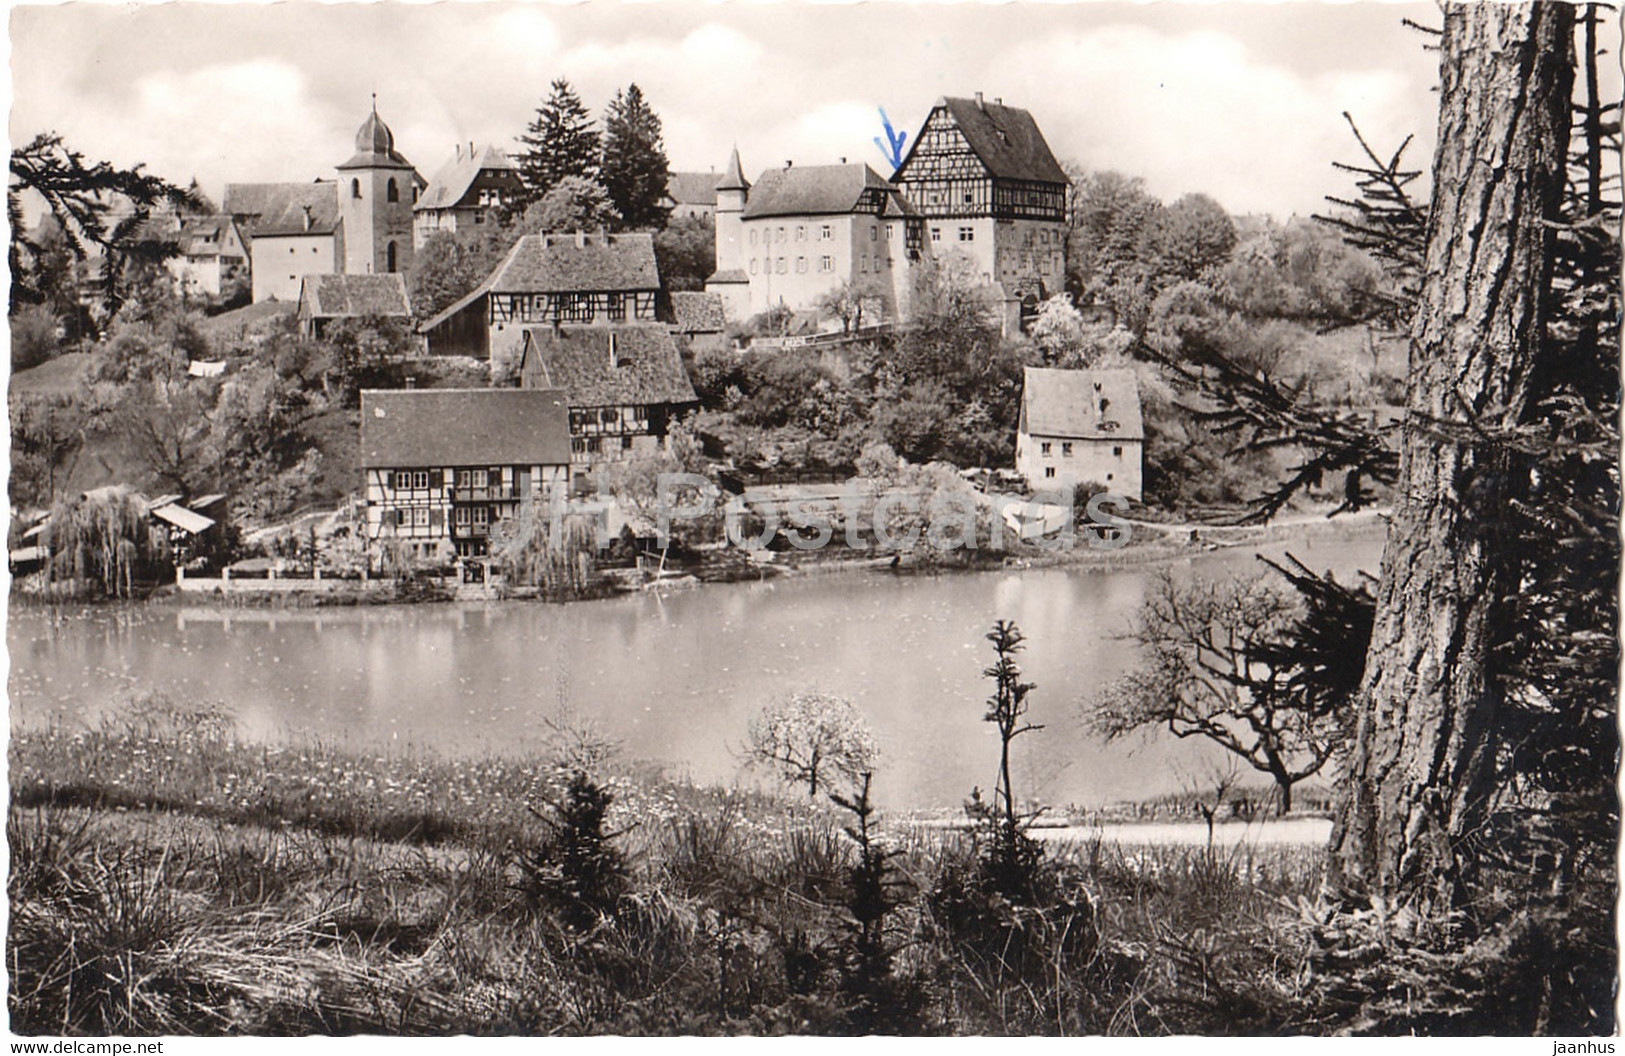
x=1172 y=542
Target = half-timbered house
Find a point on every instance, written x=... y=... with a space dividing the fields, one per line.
x=551 y=278
x=441 y=466
x=987 y=185
x=465 y=192
x=625 y=385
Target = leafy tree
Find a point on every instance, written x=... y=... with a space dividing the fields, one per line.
x=573 y=203
x=363 y=352
x=47 y=436
x=634 y=166
x=102 y=210
x=103 y=539
x=559 y=143
x=1111 y=220
x=254 y=424
x=845 y=303
x=35 y=336
x=686 y=252
x=812 y=739
x=1216 y=666
x=165 y=425
x=449 y=265
x=1191 y=236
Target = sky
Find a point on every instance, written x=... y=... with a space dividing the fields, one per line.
x=1240 y=101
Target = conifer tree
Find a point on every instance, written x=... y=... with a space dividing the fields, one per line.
x=635 y=171
x=561 y=141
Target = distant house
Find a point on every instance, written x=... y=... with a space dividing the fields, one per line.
x=324 y=299
x=464 y=191
x=210 y=253
x=692 y=194
x=625 y=385
x=548 y=278
x=1081 y=426
x=698 y=321
x=441 y=466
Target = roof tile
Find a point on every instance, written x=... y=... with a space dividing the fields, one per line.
x=409 y=428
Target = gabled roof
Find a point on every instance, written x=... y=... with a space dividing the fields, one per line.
x=1068 y=403
x=1005 y=138
x=568 y=263
x=812 y=190
x=693 y=188
x=348 y=296
x=697 y=313
x=646 y=366
x=205 y=235
x=452 y=183
x=279 y=208
x=408 y=428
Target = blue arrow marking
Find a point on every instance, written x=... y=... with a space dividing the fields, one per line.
x=892 y=147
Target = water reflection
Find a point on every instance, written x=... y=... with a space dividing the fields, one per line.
x=674 y=678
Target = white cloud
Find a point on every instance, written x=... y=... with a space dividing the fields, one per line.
x=1194 y=112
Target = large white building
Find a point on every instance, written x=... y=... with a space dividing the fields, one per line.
x=979 y=180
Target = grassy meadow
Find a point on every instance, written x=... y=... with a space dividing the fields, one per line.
x=167 y=879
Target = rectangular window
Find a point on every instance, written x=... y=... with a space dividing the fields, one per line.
x=1066 y=450
x=863 y=264
x=471 y=478
x=1044 y=447
x=482 y=515
x=967 y=234
x=936 y=234
x=753 y=265
x=1049 y=471
x=826 y=233
x=626 y=443
x=801 y=233
x=1117 y=452
x=801 y=265
x=874 y=233
x=616 y=306
x=420 y=516
x=780 y=266
x=826 y=263
x=780 y=236
x=753 y=236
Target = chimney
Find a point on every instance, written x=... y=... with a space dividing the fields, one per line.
x=471 y=150
x=979 y=104
x=998 y=101
x=788 y=162
x=843 y=159
x=307 y=218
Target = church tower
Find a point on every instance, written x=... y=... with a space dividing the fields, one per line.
x=730 y=280
x=376 y=188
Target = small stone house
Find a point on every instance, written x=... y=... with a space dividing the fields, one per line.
x=1080 y=427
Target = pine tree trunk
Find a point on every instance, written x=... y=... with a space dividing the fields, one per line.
x=1422 y=767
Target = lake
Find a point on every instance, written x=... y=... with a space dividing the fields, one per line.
x=672 y=678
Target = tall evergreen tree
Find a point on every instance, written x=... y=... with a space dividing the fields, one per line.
x=635 y=171
x=561 y=141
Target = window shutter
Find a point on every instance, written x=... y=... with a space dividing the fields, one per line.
x=437 y=517
x=437 y=478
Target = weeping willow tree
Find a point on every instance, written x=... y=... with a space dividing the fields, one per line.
x=554 y=555
x=103 y=542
